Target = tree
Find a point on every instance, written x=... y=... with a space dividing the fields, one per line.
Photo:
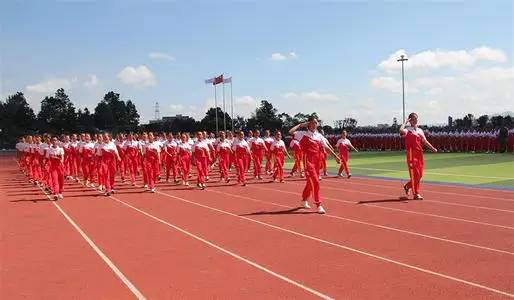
x=469 y=121
x=103 y=116
x=265 y=117
x=287 y=121
x=132 y=115
x=482 y=121
x=16 y=118
x=85 y=121
x=116 y=115
x=349 y=123
x=239 y=123
x=208 y=122
x=57 y=114
x=338 y=124
x=497 y=121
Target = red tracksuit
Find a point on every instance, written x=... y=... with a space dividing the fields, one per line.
x=151 y=163
x=268 y=142
x=132 y=150
x=224 y=152
x=414 y=138
x=278 y=148
x=87 y=150
x=258 y=149
x=344 y=154
x=171 y=159
x=241 y=149
x=311 y=143
x=201 y=153
x=121 y=165
x=295 y=146
x=184 y=158
x=109 y=160
x=56 y=169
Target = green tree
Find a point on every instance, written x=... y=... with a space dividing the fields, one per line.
x=85 y=121
x=16 y=118
x=208 y=122
x=57 y=114
x=482 y=121
x=132 y=115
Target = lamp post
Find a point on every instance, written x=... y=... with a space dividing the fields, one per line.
x=402 y=59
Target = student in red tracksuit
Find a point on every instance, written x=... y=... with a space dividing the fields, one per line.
x=109 y=158
x=55 y=155
x=310 y=142
x=87 y=151
x=170 y=150
x=344 y=145
x=152 y=161
x=248 y=158
x=201 y=157
x=132 y=150
x=414 y=141
x=121 y=164
x=68 y=156
x=268 y=141
x=230 y=139
x=224 y=149
x=184 y=158
x=74 y=157
x=258 y=148
x=298 y=155
x=277 y=150
x=242 y=149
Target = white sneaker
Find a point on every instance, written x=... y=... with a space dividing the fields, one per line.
x=305 y=204
x=340 y=175
x=145 y=186
x=321 y=210
x=61 y=196
x=187 y=183
x=152 y=190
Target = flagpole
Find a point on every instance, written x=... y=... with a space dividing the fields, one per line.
x=231 y=105
x=216 y=108
x=224 y=118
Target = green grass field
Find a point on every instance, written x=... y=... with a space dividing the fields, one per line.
x=468 y=168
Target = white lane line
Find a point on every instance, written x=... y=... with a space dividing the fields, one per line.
x=435 y=201
x=395 y=209
x=373 y=225
x=470 y=283
x=426 y=189
x=234 y=255
x=99 y=252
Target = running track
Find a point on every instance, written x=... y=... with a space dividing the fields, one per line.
x=231 y=242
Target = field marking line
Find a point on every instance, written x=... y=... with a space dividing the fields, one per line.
x=395 y=209
x=378 y=257
x=437 y=173
x=373 y=225
x=98 y=251
x=226 y=251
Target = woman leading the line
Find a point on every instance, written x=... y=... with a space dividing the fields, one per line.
x=414 y=141
x=311 y=142
x=344 y=145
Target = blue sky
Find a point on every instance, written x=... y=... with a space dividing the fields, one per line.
x=332 y=57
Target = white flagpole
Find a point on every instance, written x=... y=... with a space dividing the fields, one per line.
x=231 y=105
x=224 y=108
x=216 y=108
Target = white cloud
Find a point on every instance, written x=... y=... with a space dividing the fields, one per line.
x=436 y=59
x=311 y=96
x=283 y=56
x=161 y=55
x=246 y=101
x=91 y=81
x=177 y=108
x=139 y=77
x=50 y=85
x=388 y=83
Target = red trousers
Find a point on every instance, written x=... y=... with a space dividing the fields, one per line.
x=344 y=162
x=171 y=166
x=88 y=168
x=297 y=162
x=99 y=170
x=202 y=165
x=151 y=169
x=223 y=164
x=323 y=162
x=185 y=165
x=257 y=163
x=109 y=171
x=268 y=167
x=312 y=166
x=279 y=166
x=241 y=165
x=416 y=166
x=56 y=176
x=131 y=162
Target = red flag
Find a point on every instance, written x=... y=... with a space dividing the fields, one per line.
x=218 y=80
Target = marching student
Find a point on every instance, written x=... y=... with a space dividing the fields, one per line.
x=55 y=156
x=344 y=145
x=98 y=161
x=109 y=157
x=184 y=158
x=298 y=155
x=277 y=150
x=268 y=141
x=414 y=141
x=310 y=142
x=87 y=152
x=242 y=149
x=152 y=161
x=170 y=157
x=258 y=148
x=132 y=150
x=121 y=164
x=201 y=157
x=224 y=150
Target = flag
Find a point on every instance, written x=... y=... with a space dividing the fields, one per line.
x=209 y=81
x=227 y=80
x=218 y=80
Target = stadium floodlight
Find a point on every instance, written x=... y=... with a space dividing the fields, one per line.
x=402 y=59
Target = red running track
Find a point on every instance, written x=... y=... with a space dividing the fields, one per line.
x=253 y=242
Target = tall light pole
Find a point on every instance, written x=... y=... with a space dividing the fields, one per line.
x=402 y=59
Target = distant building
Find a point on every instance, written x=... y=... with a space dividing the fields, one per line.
x=169 y=119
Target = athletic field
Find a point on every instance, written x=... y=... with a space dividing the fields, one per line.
x=480 y=169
